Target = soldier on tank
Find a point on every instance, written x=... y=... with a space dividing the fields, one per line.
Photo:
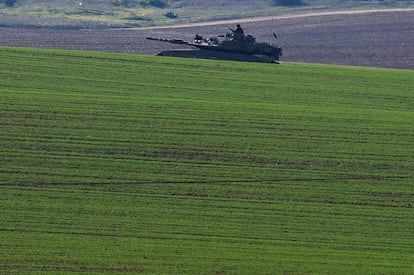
x=239 y=29
x=238 y=33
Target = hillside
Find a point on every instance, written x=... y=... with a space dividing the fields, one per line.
x=129 y=13
x=126 y=163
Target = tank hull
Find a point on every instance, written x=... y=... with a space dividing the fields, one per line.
x=216 y=55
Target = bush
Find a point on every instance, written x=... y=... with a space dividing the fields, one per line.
x=10 y=3
x=288 y=2
x=153 y=3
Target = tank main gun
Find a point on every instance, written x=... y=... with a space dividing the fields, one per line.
x=174 y=41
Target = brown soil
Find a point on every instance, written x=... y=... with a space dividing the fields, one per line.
x=375 y=38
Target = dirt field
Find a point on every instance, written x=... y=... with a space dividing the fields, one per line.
x=376 y=39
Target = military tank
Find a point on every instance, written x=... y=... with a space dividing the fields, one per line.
x=234 y=45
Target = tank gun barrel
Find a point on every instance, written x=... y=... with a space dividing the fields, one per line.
x=174 y=41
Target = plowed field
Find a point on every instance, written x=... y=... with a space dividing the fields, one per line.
x=377 y=39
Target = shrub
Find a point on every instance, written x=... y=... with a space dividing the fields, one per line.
x=10 y=3
x=153 y=3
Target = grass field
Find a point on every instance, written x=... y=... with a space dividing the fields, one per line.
x=128 y=163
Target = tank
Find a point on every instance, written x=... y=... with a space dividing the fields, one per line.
x=234 y=45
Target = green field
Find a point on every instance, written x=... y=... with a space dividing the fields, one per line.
x=113 y=163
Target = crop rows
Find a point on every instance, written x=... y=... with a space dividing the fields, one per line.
x=122 y=163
